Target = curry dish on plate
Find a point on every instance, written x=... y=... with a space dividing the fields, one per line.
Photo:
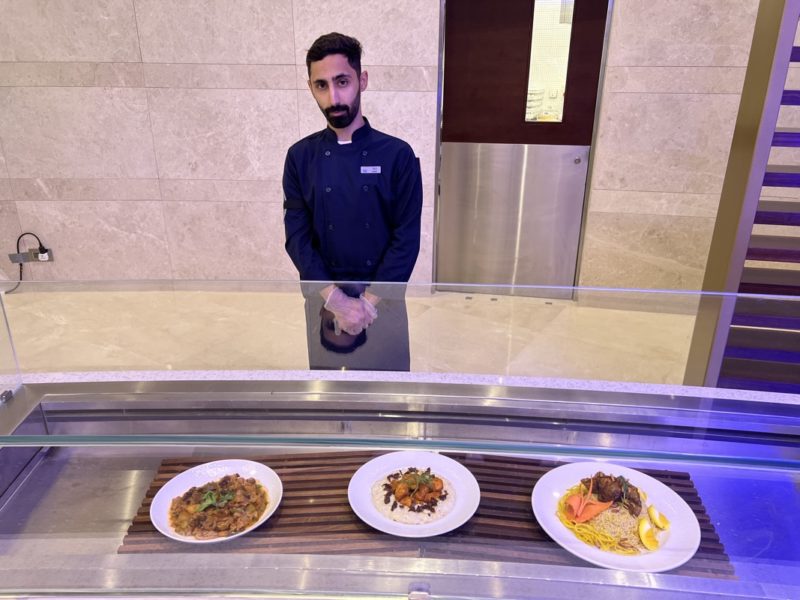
x=219 y=508
x=413 y=496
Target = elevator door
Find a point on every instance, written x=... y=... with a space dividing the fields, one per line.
x=516 y=139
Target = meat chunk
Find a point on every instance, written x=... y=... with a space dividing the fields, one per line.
x=615 y=489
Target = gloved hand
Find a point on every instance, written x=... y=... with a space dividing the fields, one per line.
x=351 y=314
x=369 y=307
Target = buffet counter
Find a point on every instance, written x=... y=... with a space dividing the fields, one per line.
x=76 y=518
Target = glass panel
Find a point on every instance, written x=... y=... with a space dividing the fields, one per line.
x=552 y=31
x=639 y=336
x=9 y=372
x=80 y=524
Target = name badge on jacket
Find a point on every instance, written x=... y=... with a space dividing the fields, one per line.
x=375 y=170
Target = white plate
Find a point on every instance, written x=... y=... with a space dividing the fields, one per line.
x=467 y=492
x=678 y=543
x=212 y=471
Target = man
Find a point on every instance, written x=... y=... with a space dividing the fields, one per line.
x=352 y=206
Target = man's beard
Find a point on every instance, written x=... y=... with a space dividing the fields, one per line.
x=343 y=120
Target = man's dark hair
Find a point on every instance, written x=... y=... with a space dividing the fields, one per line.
x=356 y=341
x=335 y=43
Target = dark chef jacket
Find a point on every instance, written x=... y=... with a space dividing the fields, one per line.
x=352 y=211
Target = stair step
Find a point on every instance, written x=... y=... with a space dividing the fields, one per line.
x=764 y=342
x=756 y=280
x=758 y=385
x=774 y=248
x=782 y=176
x=745 y=368
x=786 y=137
x=778 y=212
x=765 y=312
x=791 y=98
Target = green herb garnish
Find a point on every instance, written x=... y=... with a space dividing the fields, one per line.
x=210 y=498
x=414 y=480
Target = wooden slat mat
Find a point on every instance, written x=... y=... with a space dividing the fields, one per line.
x=502 y=529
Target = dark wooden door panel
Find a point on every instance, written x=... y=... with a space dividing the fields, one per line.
x=487 y=59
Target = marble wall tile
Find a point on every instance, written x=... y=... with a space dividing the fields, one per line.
x=222 y=134
x=227 y=240
x=76 y=132
x=674 y=80
x=216 y=31
x=217 y=190
x=99 y=240
x=88 y=30
x=85 y=189
x=275 y=77
x=404 y=32
x=410 y=116
x=652 y=251
x=682 y=32
x=664 y=142
x=9 y=232
x=5 y=189
x=654 y=203
x=388 y=78
x=71 y=74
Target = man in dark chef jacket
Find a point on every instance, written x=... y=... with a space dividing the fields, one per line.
x=352 y=206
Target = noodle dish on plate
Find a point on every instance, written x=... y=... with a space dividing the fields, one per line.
x=616 y=517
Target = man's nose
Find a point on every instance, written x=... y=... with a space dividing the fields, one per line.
x=333 y=95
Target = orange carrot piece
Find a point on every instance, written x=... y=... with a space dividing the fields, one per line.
x=591 y=510
x=586 y=499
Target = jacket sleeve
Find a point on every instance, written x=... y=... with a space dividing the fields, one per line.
x=401 y=255
x=298 y=224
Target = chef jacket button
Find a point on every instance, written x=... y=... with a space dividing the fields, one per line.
x=366 y=225
x=330 y=227
x=327 y=189
x=369 y=263
x=327 y=152
x=365 y=188
x=364 y=153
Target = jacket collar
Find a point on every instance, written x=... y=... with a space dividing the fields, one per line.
x=359 y=135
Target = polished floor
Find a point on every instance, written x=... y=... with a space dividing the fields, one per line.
x=642 y=337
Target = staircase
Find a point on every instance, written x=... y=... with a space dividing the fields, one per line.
x=763 y=347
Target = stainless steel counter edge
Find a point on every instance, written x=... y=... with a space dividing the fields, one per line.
x=310 y=574
x=467 y=399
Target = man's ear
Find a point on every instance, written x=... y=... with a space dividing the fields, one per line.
x=363 y=80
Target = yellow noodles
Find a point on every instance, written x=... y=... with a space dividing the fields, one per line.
x=586 y=532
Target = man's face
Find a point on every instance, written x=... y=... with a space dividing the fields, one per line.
x=337 y=89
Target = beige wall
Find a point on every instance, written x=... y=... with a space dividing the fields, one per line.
x=146 y=138
x=142 y=139
x=673 y=82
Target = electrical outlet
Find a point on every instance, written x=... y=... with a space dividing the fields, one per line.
x=32 y=255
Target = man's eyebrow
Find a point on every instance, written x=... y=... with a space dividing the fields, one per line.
x=334 y=78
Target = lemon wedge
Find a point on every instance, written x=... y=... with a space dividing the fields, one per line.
x=647 y=534
x=657 y=518
x=642 y=495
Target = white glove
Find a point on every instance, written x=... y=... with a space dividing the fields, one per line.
x=350 y=313
x=370 y=308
